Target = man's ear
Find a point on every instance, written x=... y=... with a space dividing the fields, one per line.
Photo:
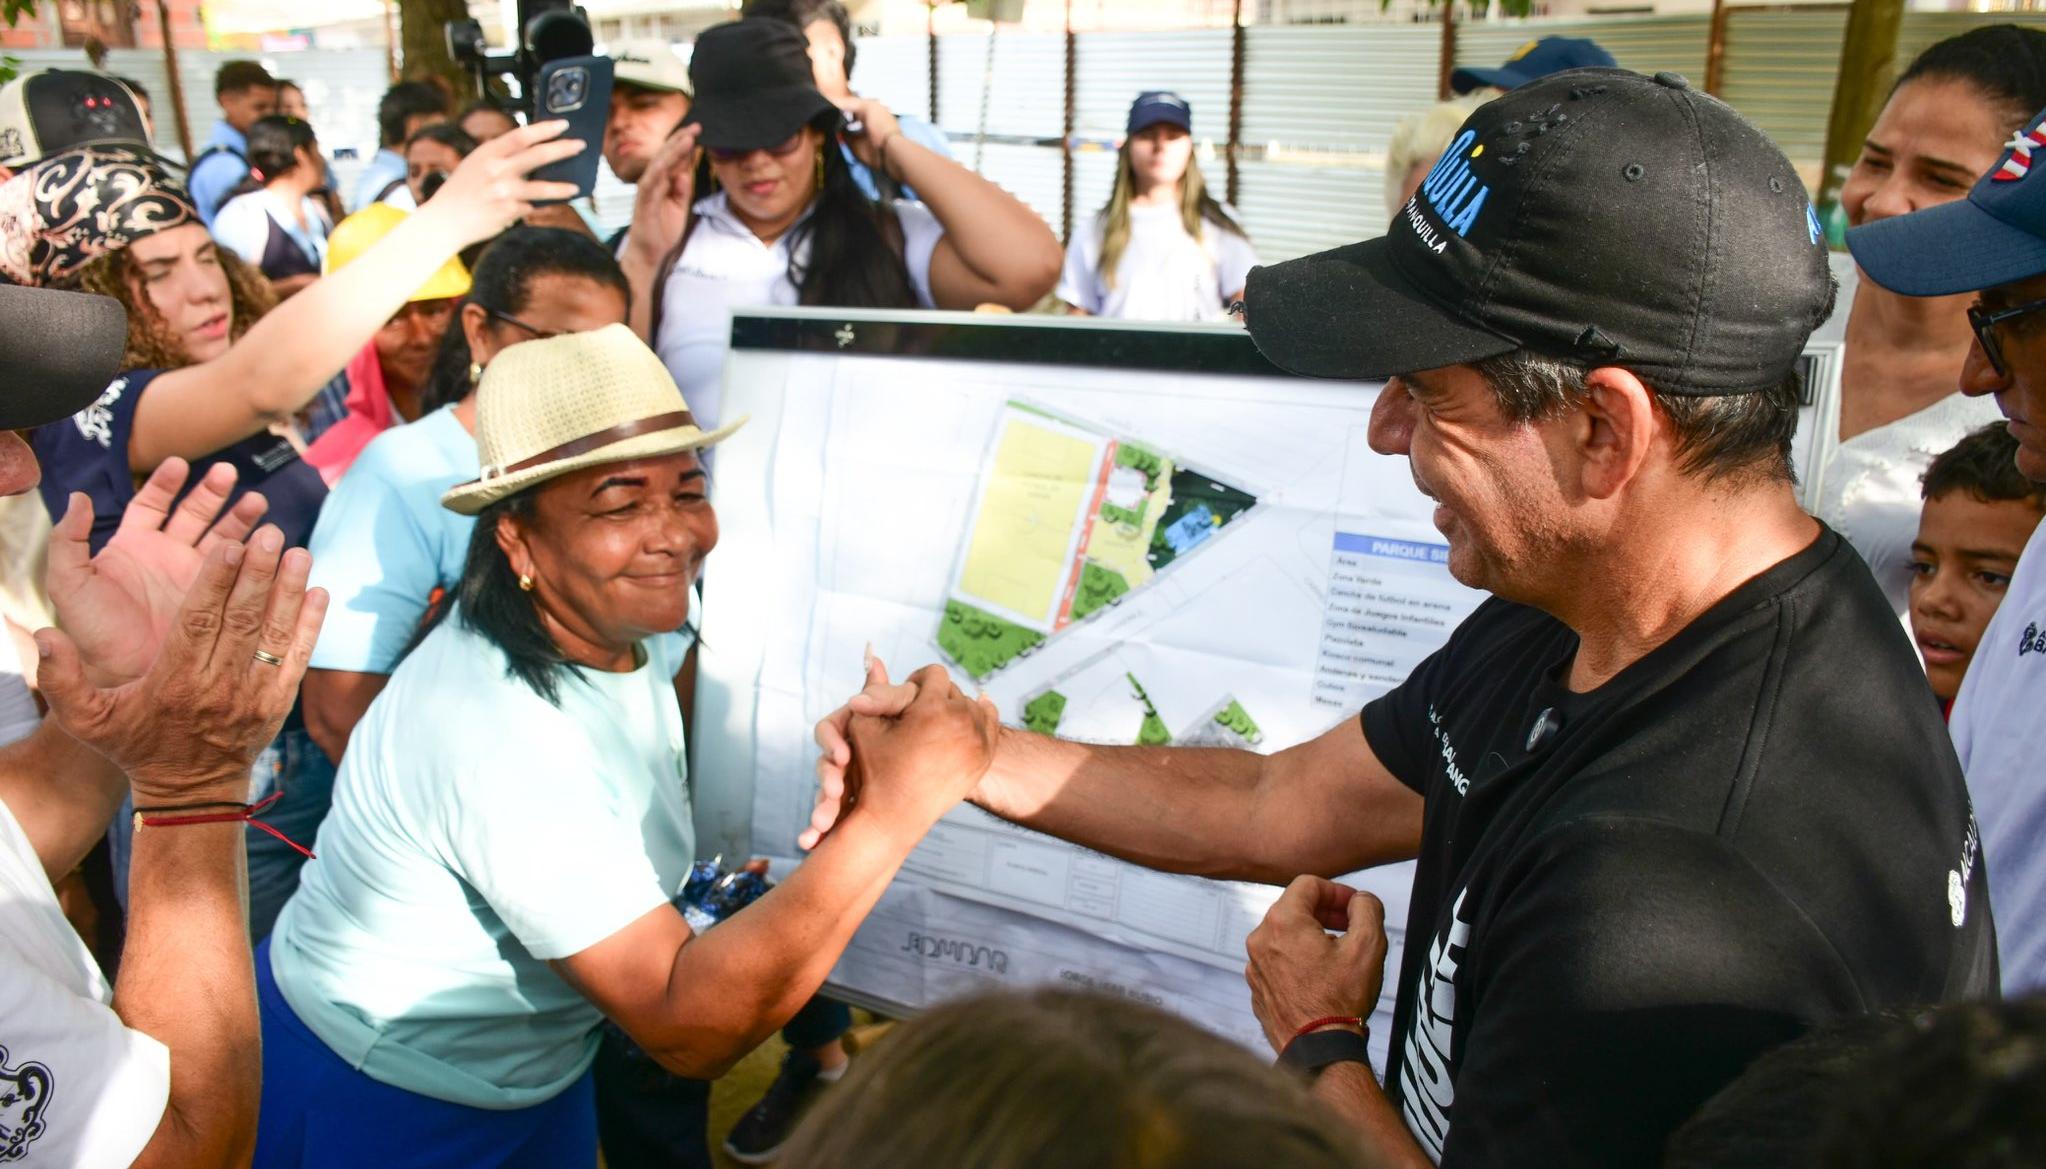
x=1622 y=428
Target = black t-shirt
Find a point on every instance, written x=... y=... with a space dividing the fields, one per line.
x=1757 y=827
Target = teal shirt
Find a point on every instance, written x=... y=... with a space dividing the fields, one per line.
x=383 y=543
x=478 y=832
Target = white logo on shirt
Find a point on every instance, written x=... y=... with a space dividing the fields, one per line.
x=96 y=422
x=24 y=1095
x=1427 y=1079
x=1457 y=778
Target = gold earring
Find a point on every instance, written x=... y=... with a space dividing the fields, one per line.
x=820 y=168
x=525 y=583
x=475 y=373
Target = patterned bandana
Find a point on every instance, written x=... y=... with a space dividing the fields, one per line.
x=67 y=210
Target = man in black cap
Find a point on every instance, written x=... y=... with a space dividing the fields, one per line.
x=182 y=654
x=1677 y=792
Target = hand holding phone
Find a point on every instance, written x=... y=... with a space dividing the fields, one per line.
x=576 y=90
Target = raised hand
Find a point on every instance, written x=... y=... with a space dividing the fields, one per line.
x=878 y=126
x=910 y=768
x=834 y=797
x=189 y=728
x=661 y=201
x=118 y=605
x=489 y=191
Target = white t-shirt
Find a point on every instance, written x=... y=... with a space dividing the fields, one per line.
x=1999 y=729
x=1868 y=488
x=479 y=831
x=726 y=267
x=1164 y=274
x=243 y=225
x=77 y=1086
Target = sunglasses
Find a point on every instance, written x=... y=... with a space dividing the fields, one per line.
x=794 y=144
x=1985 y=323
x=538 y=333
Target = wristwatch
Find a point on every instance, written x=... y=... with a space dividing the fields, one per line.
x=1316 y=1050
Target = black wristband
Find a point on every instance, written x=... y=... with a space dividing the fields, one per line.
x=1316 y=1050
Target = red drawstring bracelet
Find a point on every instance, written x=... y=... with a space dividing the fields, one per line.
x=242 y=813
x=1327 y=1021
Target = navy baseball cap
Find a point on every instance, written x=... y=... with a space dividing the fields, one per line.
x=1157 y=107
x=1535 y=59
x=1994 y=236
x=1598 y=217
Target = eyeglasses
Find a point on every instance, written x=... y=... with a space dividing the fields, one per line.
x=1985 y=323
x=794 y=144
x=538 y=333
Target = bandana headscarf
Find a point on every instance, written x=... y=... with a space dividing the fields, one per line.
x=66 y=211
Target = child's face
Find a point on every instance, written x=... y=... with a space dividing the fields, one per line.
x=1961 y=564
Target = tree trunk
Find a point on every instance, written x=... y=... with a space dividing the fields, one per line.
x=424 y=45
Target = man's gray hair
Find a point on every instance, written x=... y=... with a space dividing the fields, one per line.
x=1720 y=436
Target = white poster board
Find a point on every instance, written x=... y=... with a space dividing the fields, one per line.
x=1121 y=533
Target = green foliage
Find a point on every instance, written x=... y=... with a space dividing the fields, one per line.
x=1237 y=719
x=1151 y=463
x=980 y=641
x=1098 y=588
x=1042 y=713
x=13 y=11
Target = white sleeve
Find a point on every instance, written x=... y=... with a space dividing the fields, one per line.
x=1079 y=284
x=77 y=1086
x=1234 y=257
x=921 y=232
x=243 y=228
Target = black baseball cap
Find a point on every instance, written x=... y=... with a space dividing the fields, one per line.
x=60 y=351
x=1596 y=216
x=754 y=87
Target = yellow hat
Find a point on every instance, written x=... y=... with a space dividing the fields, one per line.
x=560 y=404
x=361 y=231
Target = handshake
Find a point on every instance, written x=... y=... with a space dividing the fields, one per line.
x=902 y=753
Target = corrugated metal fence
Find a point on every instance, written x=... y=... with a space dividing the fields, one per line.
x=1319 y=102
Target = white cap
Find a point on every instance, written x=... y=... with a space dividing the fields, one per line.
x=649 y=64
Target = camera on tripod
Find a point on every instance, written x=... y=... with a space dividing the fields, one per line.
x=549 y=30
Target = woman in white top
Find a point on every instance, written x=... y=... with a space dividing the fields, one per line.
x=1162 y=249
x=787 y=224
x=273 y=221
x=1945 y=123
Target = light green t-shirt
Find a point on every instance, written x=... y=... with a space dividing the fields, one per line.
x=477 y=832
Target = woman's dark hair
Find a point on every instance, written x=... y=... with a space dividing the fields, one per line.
x=274 y=143
x=855 y=244
x=803 y=14
x=447 y=134
x=2006 y=62
x=494 y=605
x=1015 y=1080
x=503 y=280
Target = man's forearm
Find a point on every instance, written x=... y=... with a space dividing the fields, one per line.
x=187 y=980
x=1180 y=809
x=62 y=793
x=1352 y=1094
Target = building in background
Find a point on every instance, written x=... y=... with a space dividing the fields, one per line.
x=117 y=24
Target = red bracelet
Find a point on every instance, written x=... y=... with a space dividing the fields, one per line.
x=242 y=813
x=1327 y=1021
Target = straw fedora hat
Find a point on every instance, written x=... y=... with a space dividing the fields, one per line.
x=552 y=406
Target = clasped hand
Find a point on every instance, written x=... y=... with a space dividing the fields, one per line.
x=903 y=754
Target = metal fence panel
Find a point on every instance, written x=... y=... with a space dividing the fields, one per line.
x=1034 y=174
x=1645 y=44
x=895 y=71
x=1335 y=88
x=1023 y=95
x=1292 y=210
x=1114 y=67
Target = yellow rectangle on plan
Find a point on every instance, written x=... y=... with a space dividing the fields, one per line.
x=1019 y=556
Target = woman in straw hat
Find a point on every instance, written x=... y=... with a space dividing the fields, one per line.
x=775 y=216
x=513 y=813
x=213 y=374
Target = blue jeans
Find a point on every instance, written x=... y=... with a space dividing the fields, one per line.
x=320 y=1113
x=293 y=763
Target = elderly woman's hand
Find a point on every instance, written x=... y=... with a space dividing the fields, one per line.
x=910 y=769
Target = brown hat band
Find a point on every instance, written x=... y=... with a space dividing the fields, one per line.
x=602 y=438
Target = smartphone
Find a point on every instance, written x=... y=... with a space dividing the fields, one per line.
x=578 y=91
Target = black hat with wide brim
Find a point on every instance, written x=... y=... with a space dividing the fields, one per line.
x=754 y=87
x=60 y=351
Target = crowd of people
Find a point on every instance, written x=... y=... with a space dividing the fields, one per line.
x=344 y=809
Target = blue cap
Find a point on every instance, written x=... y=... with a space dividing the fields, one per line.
x=1535 y=59
x=1996 y=235
x=1158 y=107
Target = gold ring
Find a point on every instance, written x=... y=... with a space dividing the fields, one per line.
x=268 y=658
